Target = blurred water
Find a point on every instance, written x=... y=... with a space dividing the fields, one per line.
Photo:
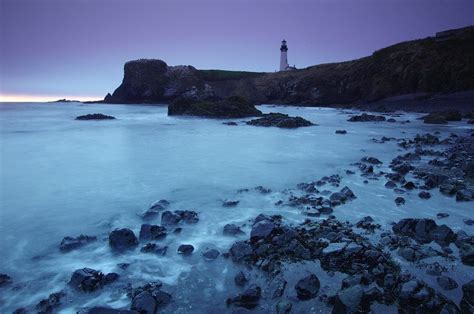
x=64 y=177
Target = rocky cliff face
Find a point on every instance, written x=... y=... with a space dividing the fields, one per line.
x=440 y=64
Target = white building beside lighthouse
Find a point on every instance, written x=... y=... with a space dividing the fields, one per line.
x=284 y=66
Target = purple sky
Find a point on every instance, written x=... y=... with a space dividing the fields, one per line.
x=77 y=48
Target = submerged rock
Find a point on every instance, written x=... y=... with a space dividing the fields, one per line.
x=231 y=229
x=240 y=279
x=152 y=232
x=154 y=248
x=5 y=280
x=122 y=239
x=95 y=116
x=280 y=120
x=88 y=279
x=46 y=306
x=308 y=287
x=211 y=254
x=70 y=243
x=341 y=132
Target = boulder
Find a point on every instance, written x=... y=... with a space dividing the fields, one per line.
x=185 y=249
x=88 y=279
x=144 y=302
x=122 y=239
x=261 y=230
x=231 y=229
x=152 y=232
x=169 y=218
x=240 y=250
x=308 y=287
x=348 y=300
x=280 y=120
x=70 y=243
x=366 y=118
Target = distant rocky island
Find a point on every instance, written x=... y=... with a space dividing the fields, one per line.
x=434 y=71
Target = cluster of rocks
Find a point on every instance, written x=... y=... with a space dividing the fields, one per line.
x=95 y=116
x=366 y=118
x=280 y=120
x=88 y=279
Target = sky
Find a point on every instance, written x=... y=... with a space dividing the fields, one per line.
x=75 y=49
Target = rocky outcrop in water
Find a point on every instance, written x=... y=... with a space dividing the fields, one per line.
x=419 y=70
x=280 y=120
x=95 y=116
x=232 y=107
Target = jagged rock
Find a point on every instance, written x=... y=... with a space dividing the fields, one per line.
x=155 y=209
x=467 y=301
x=46 y=306
x=248 y=299
x=366 y=118
x=152 y=232
x=154 y=248
x=447 y=283
x=122 y=239
x=88 y=280
x=280 y=120
x=240 y=250
x=262 y=229
x=95 y=116
x=231 y=229
x=70 y=243
x=185 y=249
x=308 y=287
x=169 y=218
x=371 y=160
x=424 y=230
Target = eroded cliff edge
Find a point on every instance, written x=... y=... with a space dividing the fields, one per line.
x=412 y=70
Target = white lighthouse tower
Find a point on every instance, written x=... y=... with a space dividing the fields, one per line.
x=283 y=56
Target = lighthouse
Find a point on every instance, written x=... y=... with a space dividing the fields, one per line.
x=284 y=66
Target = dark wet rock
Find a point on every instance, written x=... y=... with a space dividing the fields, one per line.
x=211 y=254
x=348 y=300
x=185 y=249
x=123 y=265
x=95 y=116
x=391 y=120
x=399 y=201
x=122 y=239
x=231 y=123
x=169 y=218
x=88 y=280
x=5 y=280
x=409 y=185
x=262 y=229
x=308 y=287
x=465 y=195
x=231 y=229
x=341 y=132
x=447 y=283
x=240 y=250
x=442 y=215
x=368 y=224
x=366 y=118
x=230 y=203
x=342 y=196
x=276 y=287
x=466 y=252
x=155 y=209
x=424 y=230
x=152 y=232
x=426 y=139
x=371 y=160
x=154 y=248
x=424 y=195
x=467 y=301
x=280 y=120
x=248 y=299
x=232 y=107
x=70 y=243
x=177 y=230
x=144 y=302
x=469 y=222
x=46 y=306
x=241 y=279
x=262 y=190
x=390 y=185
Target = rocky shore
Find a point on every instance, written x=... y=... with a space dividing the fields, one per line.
x=373 y=267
